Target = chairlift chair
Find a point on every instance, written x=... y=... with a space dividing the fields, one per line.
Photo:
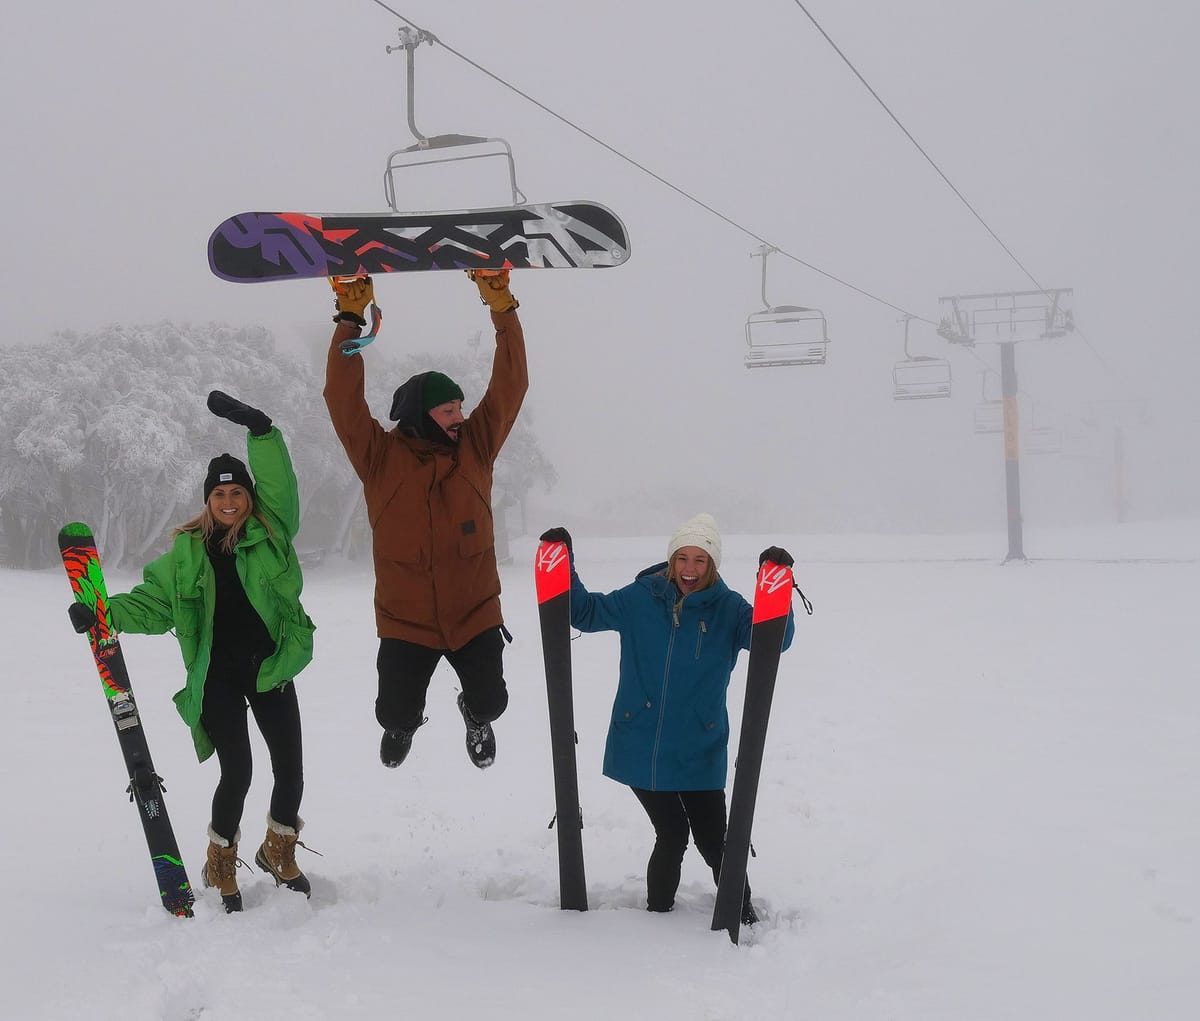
x=780 y=335
x=434 y=149
x=919 y=377
x=786 y=335
x=1080 y=442
x=989 y=413
x=1042 y=437
x=989 y=417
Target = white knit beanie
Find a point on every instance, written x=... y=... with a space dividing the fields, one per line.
x=699 y=531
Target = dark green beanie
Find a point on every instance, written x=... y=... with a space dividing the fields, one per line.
x=439 y=389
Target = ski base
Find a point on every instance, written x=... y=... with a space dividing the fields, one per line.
x=82 y=562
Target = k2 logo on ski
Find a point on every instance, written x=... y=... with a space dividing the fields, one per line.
x=774 y=578
x=551 y=556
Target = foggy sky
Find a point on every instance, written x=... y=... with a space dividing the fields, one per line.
x=1069 y=125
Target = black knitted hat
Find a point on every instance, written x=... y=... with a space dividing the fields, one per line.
x=226 y=470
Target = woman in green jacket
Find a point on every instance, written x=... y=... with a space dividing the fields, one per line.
x=230 y=590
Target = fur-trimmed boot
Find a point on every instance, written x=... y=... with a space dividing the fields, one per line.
x=277 y=856
x=220 y=871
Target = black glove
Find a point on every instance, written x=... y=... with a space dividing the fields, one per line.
x=224 y=406
x=83 y=617
x=777 y=555
x=557 y=535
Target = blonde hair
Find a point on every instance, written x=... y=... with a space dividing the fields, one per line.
x=709 y=579
x=206 y=525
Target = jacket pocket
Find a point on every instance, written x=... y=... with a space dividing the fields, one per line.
x=295 y=648
x=476 y=543
x=634 y=712
x=399 y=545
x=189 y=615
x=713 y=722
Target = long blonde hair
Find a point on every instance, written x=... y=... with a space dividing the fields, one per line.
x=206 y=525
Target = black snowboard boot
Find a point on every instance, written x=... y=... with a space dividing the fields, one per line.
x=394 y=746
x=481 y=742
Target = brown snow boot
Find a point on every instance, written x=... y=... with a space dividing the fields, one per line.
x=220 y=871
x=277 y=856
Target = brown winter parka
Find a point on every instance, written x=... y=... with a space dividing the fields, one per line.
x=430 y=504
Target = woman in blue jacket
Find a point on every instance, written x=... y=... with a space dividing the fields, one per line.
x=681 y=629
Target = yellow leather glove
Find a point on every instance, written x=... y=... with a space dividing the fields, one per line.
x=493 y=289
x=351 y=297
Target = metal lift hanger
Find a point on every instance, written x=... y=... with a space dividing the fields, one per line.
x=784 y=334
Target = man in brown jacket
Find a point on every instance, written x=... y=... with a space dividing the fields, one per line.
x=428 y=487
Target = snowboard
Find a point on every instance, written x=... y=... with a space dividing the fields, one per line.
x=145 y=790
x=772 y=602
x=553 y=581
x=252 y=247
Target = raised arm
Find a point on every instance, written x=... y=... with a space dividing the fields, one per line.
x=345 y=376
x=270 y=463
x=494 y=416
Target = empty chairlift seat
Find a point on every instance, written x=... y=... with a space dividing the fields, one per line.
x=989 y=417
x=921 y=377
x=1043 y=439
x=786 y=335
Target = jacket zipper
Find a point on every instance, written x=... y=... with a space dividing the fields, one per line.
x=662 y=700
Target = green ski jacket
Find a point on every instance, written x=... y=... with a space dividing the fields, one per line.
x=178 y=592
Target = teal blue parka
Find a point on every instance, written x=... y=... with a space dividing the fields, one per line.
x=669 y=729
x=178 y=591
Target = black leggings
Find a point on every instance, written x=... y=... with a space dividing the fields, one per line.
x=277 y=713
x=675 y=814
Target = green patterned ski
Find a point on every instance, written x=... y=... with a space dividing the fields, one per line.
x=145 y=790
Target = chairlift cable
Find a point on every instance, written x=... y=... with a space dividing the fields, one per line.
x=646 y=170
x=930 y=160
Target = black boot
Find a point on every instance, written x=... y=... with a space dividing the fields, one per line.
x=749 y=915
x=481 y=742
x=394 y=746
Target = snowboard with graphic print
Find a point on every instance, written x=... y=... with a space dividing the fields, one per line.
x=254 y=247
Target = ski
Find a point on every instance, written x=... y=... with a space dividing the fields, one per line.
x=253 y=247
x=82 y=562
x=553 y=576
x=772 y=601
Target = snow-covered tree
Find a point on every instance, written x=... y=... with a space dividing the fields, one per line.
x=111 y=428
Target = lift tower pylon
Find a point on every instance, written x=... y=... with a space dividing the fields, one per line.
x=1007 y=319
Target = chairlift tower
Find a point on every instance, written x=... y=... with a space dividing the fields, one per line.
x=1007 y=319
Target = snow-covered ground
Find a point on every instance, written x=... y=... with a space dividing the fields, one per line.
x=979 y=801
